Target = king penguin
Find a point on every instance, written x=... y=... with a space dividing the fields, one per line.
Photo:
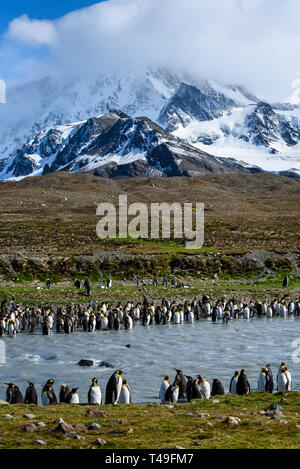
x=48 y=394
x=17 y=397
x=113 y=388
x=30 y=394
x=262 y=381
x=94 y=394
x=269 y=379
x=64 y=392
x=9 y=391
x=204 y=386
x=217 y=388
x=180 y=379
x=232 y=386
x=163 y=388
x=125 y=394
x=242 y=385
x=172 y=393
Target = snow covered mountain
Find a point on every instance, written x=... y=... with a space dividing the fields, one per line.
x=115 y=145
x=50 y=124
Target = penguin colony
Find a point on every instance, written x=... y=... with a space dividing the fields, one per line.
x=183 y=387
x=17 y=318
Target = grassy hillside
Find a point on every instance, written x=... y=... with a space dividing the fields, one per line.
x=197 y=425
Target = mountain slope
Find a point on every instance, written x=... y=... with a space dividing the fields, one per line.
x=116 y=145
x=40 y=118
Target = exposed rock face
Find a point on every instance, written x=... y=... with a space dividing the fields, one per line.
x=188 y=102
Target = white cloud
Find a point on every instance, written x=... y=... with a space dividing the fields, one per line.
x=252 y=42
x=39 y=32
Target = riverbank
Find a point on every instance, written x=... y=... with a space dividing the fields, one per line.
x=200 y=425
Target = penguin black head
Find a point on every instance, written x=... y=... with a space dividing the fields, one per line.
x=31 y=385
x=190 y=378
x=166 y=378
x=74 y=390
x=124 y=381
x=95 y=380
x=236 y=373
x=10 y=385
x=243 y=372
x=50 y=381
x=179 y=372
x=120 y=372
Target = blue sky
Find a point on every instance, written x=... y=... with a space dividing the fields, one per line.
x=38 y=9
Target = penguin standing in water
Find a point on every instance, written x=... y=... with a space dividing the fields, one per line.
x=242 y=385
x=48 y=394
x=73 y=397
x=64 y=393
x=17 y=396
x=31 y=394
x=113 y=388
x=125 y=394
x=172 y=393
x=9 y=391
x=94 y=394
x=180 y=379
x=217 y=388
x=163 y=388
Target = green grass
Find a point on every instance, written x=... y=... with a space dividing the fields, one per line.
x=156 y=427
x=259 y=286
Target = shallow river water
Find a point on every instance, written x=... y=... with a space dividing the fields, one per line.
x=214 y=350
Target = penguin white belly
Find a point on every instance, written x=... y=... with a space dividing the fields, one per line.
x=261 y=383
x=162 y=392
x=246 y=313
x=282 y=382
x=219 y=312
x=176 y=318
x=74 y=399
x=207 y=309
x=137 y=313
x=95 y=396
x=205 y=387
x=129 y=322
x=124 y=395
x=291 y=308
x=119 y=387
x=11 y=330
x=191 y=316
x=282 y=311
x=269 y=312
x=289 y=380
x=233 y=386
x=104 y=323
x=175 y=395
x=181 y=315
